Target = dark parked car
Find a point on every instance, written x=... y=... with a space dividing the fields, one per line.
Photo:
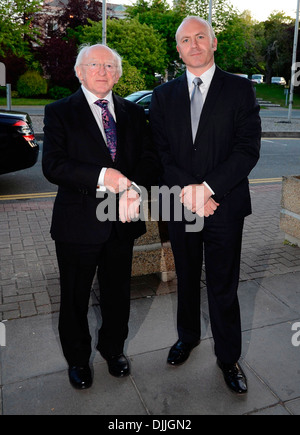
x=18 y=146
x=142 y=98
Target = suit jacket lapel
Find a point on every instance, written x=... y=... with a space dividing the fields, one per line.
x=183 y=113
x=211 y=99
x=86 y=118
x=121 y=117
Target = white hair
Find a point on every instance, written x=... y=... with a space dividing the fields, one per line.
x=83 y=50
x=200 y=20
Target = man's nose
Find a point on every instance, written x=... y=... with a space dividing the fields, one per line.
x=102 y=69
x=194 y=42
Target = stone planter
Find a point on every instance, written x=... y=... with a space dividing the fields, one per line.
x=152 y=253
x=290 y=209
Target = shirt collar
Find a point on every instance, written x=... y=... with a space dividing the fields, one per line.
x=205 y=77
x=92 y=98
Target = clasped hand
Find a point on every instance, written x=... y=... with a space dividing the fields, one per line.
x=197 y=198
x=129 y=202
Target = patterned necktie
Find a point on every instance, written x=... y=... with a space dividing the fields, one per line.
x=109 y=128
x=196 y=105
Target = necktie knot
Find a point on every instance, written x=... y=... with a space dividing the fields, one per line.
x=197 y=81
x=102 y=103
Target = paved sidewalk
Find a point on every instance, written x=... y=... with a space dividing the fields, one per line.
x=33 y=373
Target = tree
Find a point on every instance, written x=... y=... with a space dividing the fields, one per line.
x=16 y=29
x=239 y=45
x=159 y=15
x=137 y=43
x=222 y=11
x=278 y=45
x=131 y=80
x=57 y=56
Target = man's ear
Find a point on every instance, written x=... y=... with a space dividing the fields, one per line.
x=215 y=44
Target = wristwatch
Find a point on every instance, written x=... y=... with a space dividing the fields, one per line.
x=136 y=188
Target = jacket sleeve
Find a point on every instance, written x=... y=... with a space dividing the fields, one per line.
x=148 y=168
x=245 y=148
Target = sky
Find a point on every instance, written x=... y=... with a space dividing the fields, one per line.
x=260 y=9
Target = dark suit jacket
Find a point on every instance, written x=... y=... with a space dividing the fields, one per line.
x=74 y=153
x=227 y=144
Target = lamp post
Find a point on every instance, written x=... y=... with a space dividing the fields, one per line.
x=294 y=62
x=104 y=14
x=210 y=11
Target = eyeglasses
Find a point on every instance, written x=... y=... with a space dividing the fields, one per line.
x=95 y=66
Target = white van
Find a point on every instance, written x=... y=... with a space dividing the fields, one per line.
x=258 y=78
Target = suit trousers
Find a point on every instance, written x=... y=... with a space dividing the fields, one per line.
x=220 y=242
x=78 y=265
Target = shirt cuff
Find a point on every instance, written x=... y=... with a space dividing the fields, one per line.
x=100 y=185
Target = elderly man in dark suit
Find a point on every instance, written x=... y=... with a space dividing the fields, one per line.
x=94 y=142
x=207 y=130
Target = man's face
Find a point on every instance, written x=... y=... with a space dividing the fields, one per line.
x=98 y=71
x=196 y=46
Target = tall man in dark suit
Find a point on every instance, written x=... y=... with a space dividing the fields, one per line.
x=94 y=142
x=210 y=159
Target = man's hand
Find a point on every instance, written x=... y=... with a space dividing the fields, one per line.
x=115 y=181
x=129 y=206
x=195 y=196
x=209 y=208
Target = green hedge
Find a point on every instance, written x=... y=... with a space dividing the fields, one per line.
x=32 y=84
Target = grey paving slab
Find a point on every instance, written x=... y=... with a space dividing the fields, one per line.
x=52 y=394
x=272 y=410
x=196 y=388
x=32 y=348
x=294 y=406
x=271 y=355
x=285 y=288
x=260 y=308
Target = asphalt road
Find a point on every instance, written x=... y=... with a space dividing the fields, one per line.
x=279 y=157
x=271 y=112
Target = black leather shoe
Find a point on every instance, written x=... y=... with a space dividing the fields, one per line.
x=180 y=352
x=118 y=366
x=80 y=377
x=234 y=377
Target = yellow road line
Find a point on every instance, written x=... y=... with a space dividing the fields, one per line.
x=27 y=196
x=53 y=194
x=265 y=180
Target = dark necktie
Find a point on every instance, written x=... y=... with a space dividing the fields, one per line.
x=109 y=126
x=196 y=105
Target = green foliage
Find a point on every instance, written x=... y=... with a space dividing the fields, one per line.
x=31 y=84
x=238 y=48
x=131 y=81
x=58 y=92
x=137 y=43
x=16 y=29
x=157 y=13
x=222 y=11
